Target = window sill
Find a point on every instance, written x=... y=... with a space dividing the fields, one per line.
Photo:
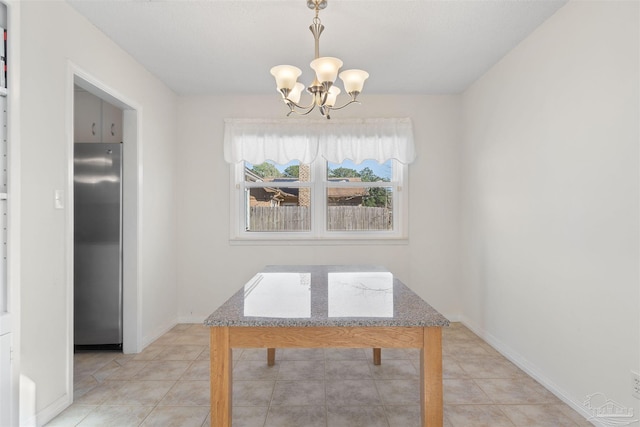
x=317 y=242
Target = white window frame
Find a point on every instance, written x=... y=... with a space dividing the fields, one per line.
x=318 y=233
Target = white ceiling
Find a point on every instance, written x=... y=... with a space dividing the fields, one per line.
x=407 y=46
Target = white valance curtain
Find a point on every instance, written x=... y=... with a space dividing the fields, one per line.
x=282 y=141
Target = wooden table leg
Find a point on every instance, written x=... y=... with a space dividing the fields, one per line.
x=271 y=356
x=221 y=381
x=431 y=378
x=377 y=356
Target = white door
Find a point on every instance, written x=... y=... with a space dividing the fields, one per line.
x=5 y=379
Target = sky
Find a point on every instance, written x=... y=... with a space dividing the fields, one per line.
x=382 y=170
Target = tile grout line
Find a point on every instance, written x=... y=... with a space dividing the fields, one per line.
x=273 y=391
x=324 y=382
x=375 y=384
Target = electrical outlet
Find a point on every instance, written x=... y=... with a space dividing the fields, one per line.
x=635 y=385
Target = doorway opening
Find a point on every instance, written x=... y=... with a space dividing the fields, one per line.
x=126 y=136
x=97 y=223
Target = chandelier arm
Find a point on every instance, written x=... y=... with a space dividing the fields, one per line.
x=301 y=113
x=342 y=106
x=324 y=97
x=291 y=104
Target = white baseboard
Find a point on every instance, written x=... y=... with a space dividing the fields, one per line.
x=191 y=319
x=531 y=370
x=51 y=411
x=453 y=317
x=158 y=332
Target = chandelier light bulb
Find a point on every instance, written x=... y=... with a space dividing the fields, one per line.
x=296 y=92
x=353 y=80
x=333 y=93
x=326 y=68
x=286 y=76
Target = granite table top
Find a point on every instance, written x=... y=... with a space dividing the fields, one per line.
x=325 y=296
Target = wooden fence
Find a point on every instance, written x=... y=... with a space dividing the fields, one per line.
x=339 y=218
x=281 y=218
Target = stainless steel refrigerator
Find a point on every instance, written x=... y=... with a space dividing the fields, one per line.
x=97 y=245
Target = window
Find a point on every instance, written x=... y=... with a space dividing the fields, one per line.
x=355 y=194
x=360 y=197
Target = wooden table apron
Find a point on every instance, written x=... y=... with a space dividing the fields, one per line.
x=428 y=339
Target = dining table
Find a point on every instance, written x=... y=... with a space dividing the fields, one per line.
x=326 y=306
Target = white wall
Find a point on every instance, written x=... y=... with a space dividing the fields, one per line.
x=550 y=179
x=51 y=33
x=549 y=205
x=210 y=269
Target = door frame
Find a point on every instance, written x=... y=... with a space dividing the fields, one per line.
x=131 y=210
x=11 y=319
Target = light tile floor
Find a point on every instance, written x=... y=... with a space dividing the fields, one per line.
x=168 y=385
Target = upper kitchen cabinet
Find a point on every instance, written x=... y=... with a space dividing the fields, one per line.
x=87 y=117
x=95 y=120
x=111 y=123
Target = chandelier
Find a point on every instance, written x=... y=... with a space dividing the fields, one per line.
x=322 y=90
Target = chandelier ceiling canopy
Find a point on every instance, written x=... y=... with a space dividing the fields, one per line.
x=323 y=91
